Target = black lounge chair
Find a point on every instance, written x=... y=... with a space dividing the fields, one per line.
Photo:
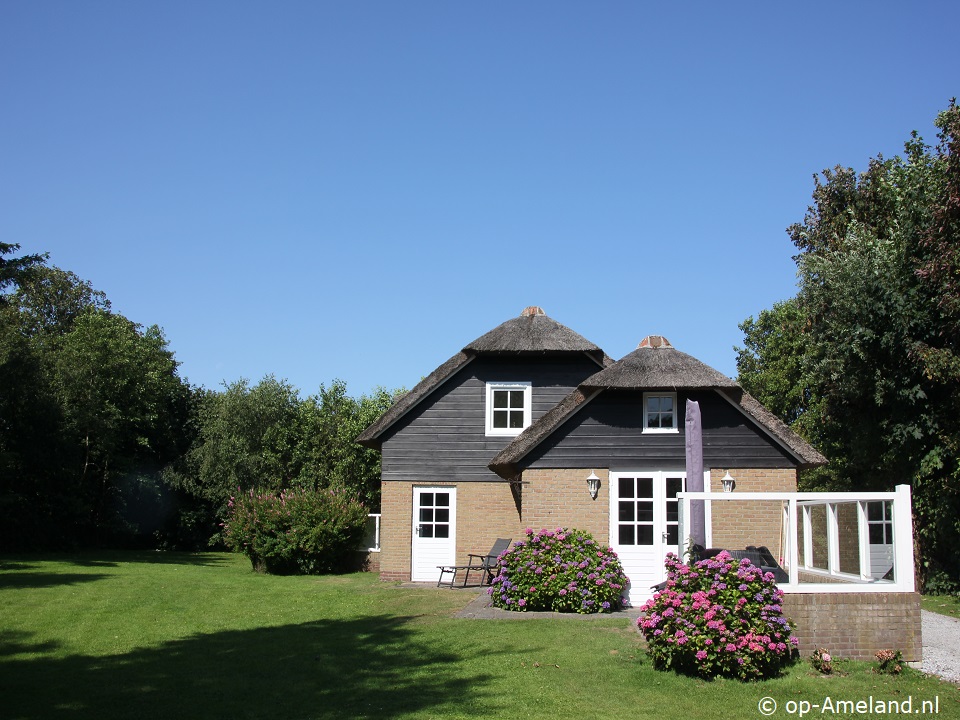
x=768 y=563
x=760 y=557
x=486 y=564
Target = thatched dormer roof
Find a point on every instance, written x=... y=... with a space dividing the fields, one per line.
x=533 y=333
x=654 y=365
x=657 y=364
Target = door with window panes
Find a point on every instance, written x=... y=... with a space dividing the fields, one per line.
x=643 y=525
x=880 y=528
x=434 y=531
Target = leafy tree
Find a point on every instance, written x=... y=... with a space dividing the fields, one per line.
x=863 y=361
x=13 y=270
x=50 y=299
x=246 y=439
x=91 y=408
x=264 y=438
x=331 y=420
x=117 y=385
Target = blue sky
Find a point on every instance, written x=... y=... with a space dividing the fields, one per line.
x=324 y=190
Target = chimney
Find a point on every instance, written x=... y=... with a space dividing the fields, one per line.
x=654 y=341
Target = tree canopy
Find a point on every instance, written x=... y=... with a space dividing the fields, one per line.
x=101 y=440
x=864 y=361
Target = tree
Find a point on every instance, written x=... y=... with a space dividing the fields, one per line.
x=863 y=361
x=264 y=438
x=331 y=420
x=246 y=440
x=50 y=299
x=14 y=270
x=116 y=385
x=91 y=409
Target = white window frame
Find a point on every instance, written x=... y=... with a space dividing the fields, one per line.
x=492 y=387
x=676 y=413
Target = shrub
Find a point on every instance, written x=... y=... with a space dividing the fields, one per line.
x=561 y=570
x=889 y=662
x=306 y=532
x=822 y=661
x=718 y=618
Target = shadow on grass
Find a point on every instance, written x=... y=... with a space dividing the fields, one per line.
x=114 y=558
x=15 y=642
x=364 y=667
x=14 y=581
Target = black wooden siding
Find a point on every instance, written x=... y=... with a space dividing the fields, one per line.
x=608 y=433
x=443 y=438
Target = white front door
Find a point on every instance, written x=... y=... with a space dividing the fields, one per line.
x=643 y=525
x=434 y=531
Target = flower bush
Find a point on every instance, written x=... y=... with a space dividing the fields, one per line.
x=306 y=532
x=822 y=661
x=889 y=662
x=561 y=570
x=718 y=618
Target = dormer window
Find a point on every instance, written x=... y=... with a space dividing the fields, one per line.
x=660 y=413
x=508 y=407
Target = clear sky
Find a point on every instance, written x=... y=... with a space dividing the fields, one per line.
x=356 y=190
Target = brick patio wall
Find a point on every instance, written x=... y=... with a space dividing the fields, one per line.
x=856 y=625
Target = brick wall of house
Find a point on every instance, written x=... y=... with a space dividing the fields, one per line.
x=396 y=508
x=754 y=522
x=559 y=498
x=856 y=625
x=485 y=511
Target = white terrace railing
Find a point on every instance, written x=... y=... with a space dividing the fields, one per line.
x=831 y=542
x=371 y=541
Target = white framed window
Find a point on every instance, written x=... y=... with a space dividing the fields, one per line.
x=508 y=407
x=660 y=412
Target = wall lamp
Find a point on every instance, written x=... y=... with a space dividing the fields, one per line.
x=728 y=482
x=593 y=484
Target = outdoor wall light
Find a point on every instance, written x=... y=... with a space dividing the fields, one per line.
x=728 y=482
x=593 y=484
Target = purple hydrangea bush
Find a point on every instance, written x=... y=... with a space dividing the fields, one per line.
x=562 y=570
x=718 y=618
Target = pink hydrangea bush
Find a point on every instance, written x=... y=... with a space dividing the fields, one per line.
x=307 y=532
x=718 y=618
x=560 y=570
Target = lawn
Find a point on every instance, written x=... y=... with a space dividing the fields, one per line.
x=164 y=635
x=948 y=605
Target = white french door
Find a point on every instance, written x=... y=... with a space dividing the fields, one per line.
x=643 y=525
x=434 y=531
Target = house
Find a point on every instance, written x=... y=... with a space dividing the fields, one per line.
x=439 y=498
x=504 y=435
x=533 y=426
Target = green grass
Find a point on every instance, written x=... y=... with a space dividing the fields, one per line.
x=944 y=604
x=178 y=636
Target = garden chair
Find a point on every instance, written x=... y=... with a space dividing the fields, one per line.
x=768 y=563
x=483 y=563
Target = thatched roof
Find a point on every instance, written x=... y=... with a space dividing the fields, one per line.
x=655 y=364
x=531 y=333
x=808 y=455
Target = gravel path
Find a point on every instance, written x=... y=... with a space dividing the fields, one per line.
x=941 y=646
